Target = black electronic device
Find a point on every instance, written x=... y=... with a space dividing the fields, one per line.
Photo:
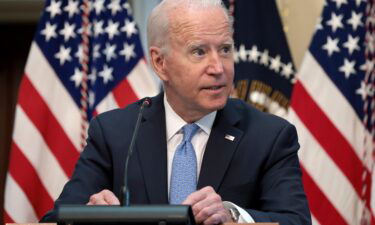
x=136 y=214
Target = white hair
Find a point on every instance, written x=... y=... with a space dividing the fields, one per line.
x=158 y=21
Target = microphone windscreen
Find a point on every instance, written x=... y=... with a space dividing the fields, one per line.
x=147 y=102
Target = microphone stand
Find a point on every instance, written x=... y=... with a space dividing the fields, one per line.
x=125 y=190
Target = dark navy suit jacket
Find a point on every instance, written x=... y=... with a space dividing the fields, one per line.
x=258 y=170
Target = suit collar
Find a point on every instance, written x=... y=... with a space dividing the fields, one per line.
x=221 y=145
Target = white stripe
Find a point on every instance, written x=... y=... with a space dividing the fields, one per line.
x=314 y=221
x=59 y=101
x=32 y=145
x=108 y=103
x=331 y=181
x=141 y=81
x=334 y=105
x=16 y=204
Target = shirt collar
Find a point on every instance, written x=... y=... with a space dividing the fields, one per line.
x=174 y=122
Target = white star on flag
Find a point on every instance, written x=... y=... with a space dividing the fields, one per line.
x=127 y=7
x=254 y=54
x=49 y=31
x=347 y=68
x=63 y=55
x=77 y=77
x=98 y=6
x=128 y=51
x=68 y=31
x=362 y=91
x=129 y=28
x=264 y=58
x=112 y=29
x=275 y=63
x=54 y=8
x=110 y=51
x=331 y=45
x=72 y=8
x=355 y=20
x=242 y=54
x=368 y=65
x=106 y=74
x=352 y=44
x=335 y=22
x=287 y=70
x=114 y=6
x=98 y=28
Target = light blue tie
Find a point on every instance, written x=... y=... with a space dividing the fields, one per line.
x=184 y=167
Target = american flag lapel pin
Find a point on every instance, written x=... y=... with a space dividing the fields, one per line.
x=229 y=137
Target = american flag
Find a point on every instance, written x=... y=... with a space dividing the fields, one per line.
x=332 y=107
x=86 y=58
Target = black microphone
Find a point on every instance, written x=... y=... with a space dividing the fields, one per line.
x=125 y=190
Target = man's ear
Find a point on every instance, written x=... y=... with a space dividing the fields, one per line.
x=158 y=62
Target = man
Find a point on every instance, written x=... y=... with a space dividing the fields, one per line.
x=238 y=164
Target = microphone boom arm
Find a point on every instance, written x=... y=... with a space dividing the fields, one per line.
x=125 y=190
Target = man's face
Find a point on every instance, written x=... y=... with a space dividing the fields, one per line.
x=198 y=67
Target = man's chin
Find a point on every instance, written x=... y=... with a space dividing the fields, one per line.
x=216 y=104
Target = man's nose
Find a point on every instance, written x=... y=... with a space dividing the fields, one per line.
x=215 y=64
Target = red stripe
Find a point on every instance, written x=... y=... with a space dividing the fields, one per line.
x=124 y=94
x=7 y=218
x=329 y=137
x=319 y=204
x=42 y=117
x=27 y=178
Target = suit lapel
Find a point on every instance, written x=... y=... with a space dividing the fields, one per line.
x=221 y=145
x=152 y=151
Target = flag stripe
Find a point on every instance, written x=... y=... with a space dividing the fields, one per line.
x=108 y=103
x=314 y=221
x=30 y=184
x=124 y=94
x=325 y=132
x=17 y=204
x=32 y=145
x=52 y=91
x=39 y=113
x=319 y=204
x=339 y=191
x=7 y=217
x=141 y=82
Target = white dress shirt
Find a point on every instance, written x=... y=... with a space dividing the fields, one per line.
x=174 y=124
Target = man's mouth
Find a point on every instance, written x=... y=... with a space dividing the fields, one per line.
x=213 y=88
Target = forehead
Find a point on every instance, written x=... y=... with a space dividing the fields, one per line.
x=194 y=24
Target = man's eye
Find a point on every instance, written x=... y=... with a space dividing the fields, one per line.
x=227 y=49
x=198 y=52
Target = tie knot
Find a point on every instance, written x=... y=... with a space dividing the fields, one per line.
x=189 y=131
